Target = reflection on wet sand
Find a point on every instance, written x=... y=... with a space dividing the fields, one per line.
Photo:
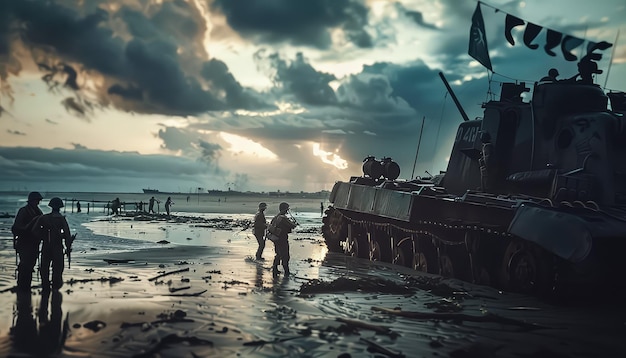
x=46 y=338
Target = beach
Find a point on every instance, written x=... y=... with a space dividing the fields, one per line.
x=187 y=285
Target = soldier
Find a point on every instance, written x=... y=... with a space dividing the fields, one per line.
x=25 y=243
x=53 y=231
x=260 y=224
x=281 y=246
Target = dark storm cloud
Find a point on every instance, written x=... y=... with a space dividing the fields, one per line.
x=210 y=152
x=416 y=16
x=86 y=169
x=175 y=139
x=217 y=74
x=188 y=142
x=298 y=79
x=148 y=71
x=298 y=22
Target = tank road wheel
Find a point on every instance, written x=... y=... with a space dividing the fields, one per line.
x=379 y=245
x=334 y=229
x=454 y=262
x=356 y=242
x=403 y=251
x=527 y=268
x=446 y=266
x=425 y=255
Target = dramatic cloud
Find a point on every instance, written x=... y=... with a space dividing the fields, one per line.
x=309 y=23
x=112 y=171
x=153 y=63
x=269 y=95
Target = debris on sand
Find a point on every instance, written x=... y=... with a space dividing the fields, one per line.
x=168 y=273
x=375 y=347
x=459 y=317
x=118 y=261
x=111 y=280
x=354 y=324
x=170 y=340
x=346 y=284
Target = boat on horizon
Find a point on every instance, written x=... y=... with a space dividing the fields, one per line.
x=150 y=191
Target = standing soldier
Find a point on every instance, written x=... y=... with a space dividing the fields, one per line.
x=281 y=246
x=25 y=243
x=260 y=224
x=53 y=230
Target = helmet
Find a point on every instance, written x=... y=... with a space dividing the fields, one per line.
x=262 y=205
x=283 y=206
x=34 y=196
x=55 y=203
x=554 y=73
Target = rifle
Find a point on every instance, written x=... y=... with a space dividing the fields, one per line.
x=68 y=251
x=16 y=254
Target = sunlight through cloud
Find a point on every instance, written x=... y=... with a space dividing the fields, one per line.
x=240 y=144
x=329 y=157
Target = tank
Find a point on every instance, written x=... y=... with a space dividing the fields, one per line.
x=533 y=199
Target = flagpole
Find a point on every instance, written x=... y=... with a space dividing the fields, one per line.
x=608 y=70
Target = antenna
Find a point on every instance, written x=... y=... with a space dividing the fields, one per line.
x=419 y=142
x=608 y=70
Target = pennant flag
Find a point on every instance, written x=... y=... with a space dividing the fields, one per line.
x=553 y=39
x=568 y=44
x=531 y=32
x=478 y=40
x=509 y=23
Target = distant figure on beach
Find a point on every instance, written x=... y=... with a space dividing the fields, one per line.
x=281 y=246
x=78 y=206
x=322 y=208
x=140 y=206
x=54 y=233
x=25 y=242
x=260 y=224
x=115 y=206
x=187 y=198
x=168 y=205
x=151 y=204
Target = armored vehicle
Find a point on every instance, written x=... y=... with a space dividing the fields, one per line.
x=533 y=198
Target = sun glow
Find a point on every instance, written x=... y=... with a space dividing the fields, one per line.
x=329 y=157
x=243 y=145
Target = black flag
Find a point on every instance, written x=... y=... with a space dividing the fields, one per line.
x=478 y=40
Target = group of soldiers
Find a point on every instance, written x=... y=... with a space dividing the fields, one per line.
x=47 y=236
x=278 y=232
x=43 y=236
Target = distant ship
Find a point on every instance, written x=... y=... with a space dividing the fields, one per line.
x=150 y=191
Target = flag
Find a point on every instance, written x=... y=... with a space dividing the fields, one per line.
x=478 y=40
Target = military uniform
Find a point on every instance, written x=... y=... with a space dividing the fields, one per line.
x=53 y=231
x=281 y=246
x=26 y=243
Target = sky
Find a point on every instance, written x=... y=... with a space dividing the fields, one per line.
x=259 y=95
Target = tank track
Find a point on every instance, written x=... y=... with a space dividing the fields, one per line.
x=467 y=251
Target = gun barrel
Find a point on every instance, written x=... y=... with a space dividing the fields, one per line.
x=456 y=100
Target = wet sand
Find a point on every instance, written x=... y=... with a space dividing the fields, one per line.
x=202 y=295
